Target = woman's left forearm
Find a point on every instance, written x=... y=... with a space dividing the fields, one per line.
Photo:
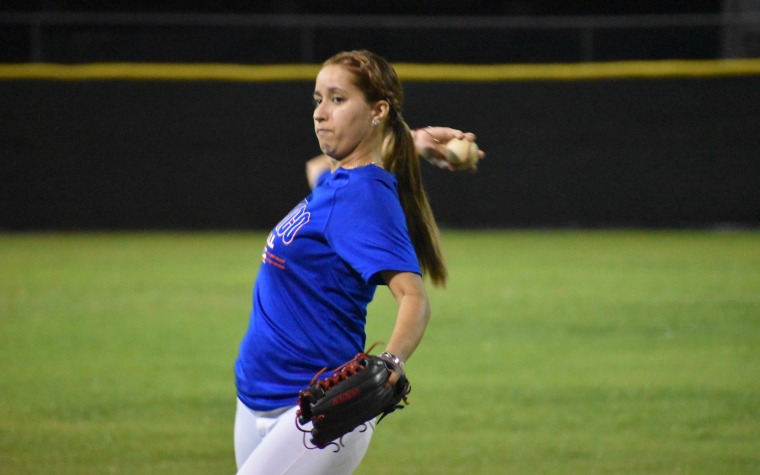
x=411 y=321
x=412 y=316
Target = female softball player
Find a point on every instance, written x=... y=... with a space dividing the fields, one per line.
x=367 y=222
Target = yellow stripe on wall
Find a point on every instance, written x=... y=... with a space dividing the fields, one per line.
x=407 y=72
x=578 y=71
x=158 y=72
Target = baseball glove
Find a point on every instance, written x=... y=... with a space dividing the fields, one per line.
x=357 y=392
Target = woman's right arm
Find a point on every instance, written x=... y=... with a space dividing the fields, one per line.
x=430 y=143
x=315 y=167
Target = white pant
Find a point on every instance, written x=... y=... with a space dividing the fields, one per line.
x=269 y=443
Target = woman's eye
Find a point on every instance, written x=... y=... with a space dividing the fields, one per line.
x=335 y=100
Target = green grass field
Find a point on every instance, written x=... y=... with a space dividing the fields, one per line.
x=572 y=352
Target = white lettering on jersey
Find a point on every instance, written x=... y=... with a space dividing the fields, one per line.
x=295 y=220
x=286 y=230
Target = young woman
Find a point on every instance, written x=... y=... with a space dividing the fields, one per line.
x=366 y=223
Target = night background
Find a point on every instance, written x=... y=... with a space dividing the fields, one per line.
x=653 y=125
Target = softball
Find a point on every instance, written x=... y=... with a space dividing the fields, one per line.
x=462 y=154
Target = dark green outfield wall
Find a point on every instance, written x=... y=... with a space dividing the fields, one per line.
x=125 y=154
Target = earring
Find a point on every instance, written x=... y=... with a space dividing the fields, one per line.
x=375 y=123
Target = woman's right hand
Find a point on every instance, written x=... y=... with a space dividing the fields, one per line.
x=430 y=143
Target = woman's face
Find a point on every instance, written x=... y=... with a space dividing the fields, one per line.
x=342 y=116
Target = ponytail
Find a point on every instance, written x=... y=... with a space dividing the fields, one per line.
x=400 y=158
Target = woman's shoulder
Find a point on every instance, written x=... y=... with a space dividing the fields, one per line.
x=371 y=179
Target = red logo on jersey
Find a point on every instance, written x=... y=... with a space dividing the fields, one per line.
x=286 y=230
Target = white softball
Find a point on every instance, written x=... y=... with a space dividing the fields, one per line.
x=462 y=154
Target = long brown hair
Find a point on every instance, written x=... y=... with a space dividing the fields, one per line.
x=379 y=81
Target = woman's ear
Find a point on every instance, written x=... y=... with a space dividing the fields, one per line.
x=380 y=110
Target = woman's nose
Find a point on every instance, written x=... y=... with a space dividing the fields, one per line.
x=319 y=113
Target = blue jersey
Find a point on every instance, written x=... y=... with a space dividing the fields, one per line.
x=320 y=268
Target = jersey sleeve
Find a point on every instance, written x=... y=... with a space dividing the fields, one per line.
x=368 y=229
x=322 y=177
